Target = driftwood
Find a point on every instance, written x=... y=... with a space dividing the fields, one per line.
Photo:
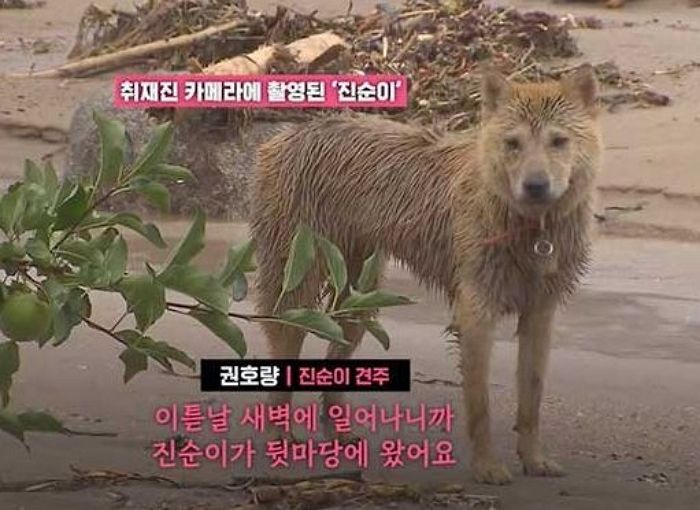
x=317 y=50
x=256 y=62
x=308 y=52
x=120 y=58
x=304 y=54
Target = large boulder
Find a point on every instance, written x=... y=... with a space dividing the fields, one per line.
x=220 y=153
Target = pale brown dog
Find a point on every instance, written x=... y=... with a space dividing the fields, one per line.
x=498 y=219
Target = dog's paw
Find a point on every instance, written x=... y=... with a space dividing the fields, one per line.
x=542 y=466
x=491 y=472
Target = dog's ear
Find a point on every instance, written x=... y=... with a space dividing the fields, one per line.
x=494 y=88
x=582 y=86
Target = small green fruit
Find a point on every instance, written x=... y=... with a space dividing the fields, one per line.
x=24 y=317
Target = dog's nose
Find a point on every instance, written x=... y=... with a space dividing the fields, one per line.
x=536 y=188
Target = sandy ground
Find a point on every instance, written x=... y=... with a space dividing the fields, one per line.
x=622 y=411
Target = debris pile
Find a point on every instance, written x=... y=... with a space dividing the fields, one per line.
x=438 y=44
x=313 y=492
x=343 y=493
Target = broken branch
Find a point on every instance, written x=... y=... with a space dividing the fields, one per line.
x=100 y=63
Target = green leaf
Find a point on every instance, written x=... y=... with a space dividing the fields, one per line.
x=49 y=333
x=161 y=352
x=79 y=251
x=128 y=220
x=9 y=364
x=155 y=193
x=371 y=268
x=11 y=251
x=133 y=222
x=171 y=173
x=134 y=362
x=36 y=214
x=60 y=326
x=115 y=261
x=174 y=354
x=9 y=358
x=145 y=298
x=57 y=292
x=93 y=276
x=12 y=206
x=72 y=209
x=5 y=387
x=336 y=266
x=191 y=244
x=104 y=241
x=372 y=300
x=155 y=150
x=51 y=184
x=10 y=423
x=32 y=173
x=378 y=332
x=239 y=288
x=197 y=284
x=39 y=421
x=95 y=220
x=314 y=321
x=150 y=270
x=219 y=324
x=112 y=148
x=65 y=189
x=65 y=318
x=38 y=250
x=79 y=302
x=301 y=258
x=240 y=259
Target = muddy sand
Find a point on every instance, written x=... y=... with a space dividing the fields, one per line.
x=622 y=411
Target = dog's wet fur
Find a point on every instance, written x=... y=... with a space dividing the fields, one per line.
x=462 y=211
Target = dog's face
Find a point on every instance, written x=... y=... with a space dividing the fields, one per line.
x=539 y=141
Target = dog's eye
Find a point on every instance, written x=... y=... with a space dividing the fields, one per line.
x=512 y=143
x=559 y=141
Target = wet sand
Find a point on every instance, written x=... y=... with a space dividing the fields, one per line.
x=622 y=411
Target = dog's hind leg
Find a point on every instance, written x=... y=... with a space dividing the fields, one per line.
x=476 y=325
x=353 y=333
x=284 y=342
x=534 y=334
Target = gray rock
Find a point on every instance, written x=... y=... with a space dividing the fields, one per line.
x=219 y=154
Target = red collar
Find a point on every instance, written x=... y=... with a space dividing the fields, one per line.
x=528 y=224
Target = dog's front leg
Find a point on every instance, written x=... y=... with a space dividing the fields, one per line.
x=534 y=335
x=476 y=327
